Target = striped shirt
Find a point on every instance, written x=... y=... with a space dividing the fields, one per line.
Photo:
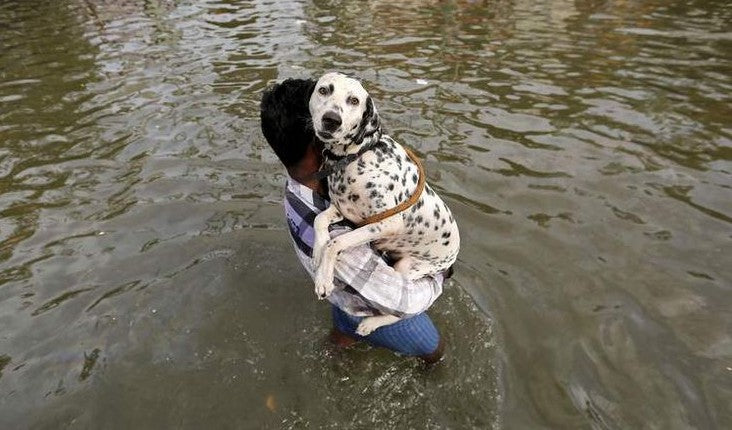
x=365 y=284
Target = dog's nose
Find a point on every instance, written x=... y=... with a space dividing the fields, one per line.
x=331 y=121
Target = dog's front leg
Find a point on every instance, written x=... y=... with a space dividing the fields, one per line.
x=359 y=236
x=320 y=227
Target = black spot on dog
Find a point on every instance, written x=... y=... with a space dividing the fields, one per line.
x=384 y=171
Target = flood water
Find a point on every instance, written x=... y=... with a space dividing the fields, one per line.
x=585 y=147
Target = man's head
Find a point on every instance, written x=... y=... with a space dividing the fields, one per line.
x=285 y=119
x=343 y=113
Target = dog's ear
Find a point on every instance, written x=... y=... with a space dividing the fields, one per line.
x=370 y=122
x=370 y=117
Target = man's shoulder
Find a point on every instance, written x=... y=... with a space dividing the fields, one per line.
x=296 y=192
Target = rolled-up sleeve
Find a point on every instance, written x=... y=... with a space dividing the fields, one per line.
x=365 y=283
x=383 y=287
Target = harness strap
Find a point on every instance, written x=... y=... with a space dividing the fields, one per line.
x=405 y=204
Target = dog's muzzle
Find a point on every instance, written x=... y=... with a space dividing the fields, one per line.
x=331 y=121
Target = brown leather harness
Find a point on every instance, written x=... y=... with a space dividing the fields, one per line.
x=405 y=204
x=389 y=212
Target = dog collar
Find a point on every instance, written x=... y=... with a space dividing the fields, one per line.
x=341 y=162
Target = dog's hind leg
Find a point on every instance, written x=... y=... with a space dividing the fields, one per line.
x=412 y=268
x=369 y=324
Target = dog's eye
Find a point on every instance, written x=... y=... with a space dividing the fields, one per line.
x=352 y=101
x=323 y=91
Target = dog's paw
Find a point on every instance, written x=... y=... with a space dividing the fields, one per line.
x=367 y=326
x=323 y=284
x=323 y=289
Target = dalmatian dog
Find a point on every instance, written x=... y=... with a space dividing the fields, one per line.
x=377 y=175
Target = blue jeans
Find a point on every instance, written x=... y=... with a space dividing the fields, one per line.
x=414 y=336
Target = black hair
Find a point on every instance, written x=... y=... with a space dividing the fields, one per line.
x=285 y=117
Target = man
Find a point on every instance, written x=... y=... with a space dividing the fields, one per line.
x=365 y=284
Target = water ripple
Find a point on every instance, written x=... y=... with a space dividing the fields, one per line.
x=584 y=147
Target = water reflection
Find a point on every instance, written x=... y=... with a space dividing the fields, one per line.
x=584 y=146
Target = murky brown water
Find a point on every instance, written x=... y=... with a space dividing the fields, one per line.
x=147 y=281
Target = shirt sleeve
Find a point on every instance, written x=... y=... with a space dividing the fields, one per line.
x=359 y=271
x=380 y=285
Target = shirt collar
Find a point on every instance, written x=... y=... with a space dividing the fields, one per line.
x=306 y=194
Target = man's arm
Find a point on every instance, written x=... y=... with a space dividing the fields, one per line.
x=358 y=268
x=379 y=284
x=383 y=287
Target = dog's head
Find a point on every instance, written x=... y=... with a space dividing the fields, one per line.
x=344 y=116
